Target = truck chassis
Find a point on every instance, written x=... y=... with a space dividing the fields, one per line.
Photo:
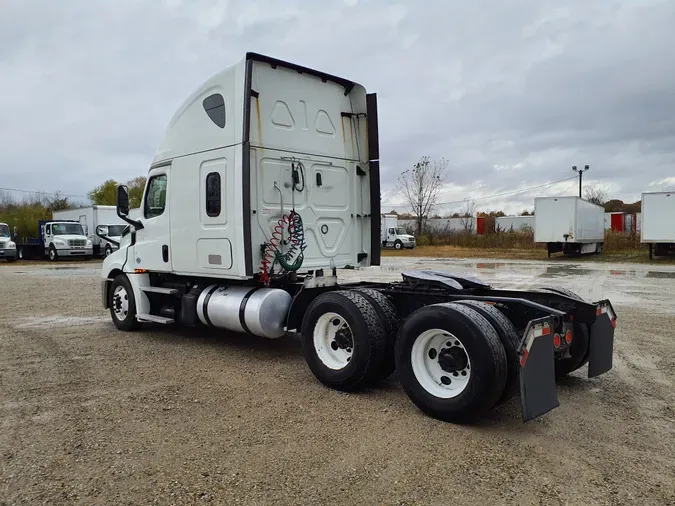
x=460 y=347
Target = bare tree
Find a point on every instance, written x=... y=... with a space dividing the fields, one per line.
x=596 y=194
x=467 y=215
x=420 y=187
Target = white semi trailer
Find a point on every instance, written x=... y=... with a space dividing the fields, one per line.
x=92 y=217
x=570 y=225
x=267 y=183
x=658 y=223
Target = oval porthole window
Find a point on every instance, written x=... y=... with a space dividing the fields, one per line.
x=214 y=105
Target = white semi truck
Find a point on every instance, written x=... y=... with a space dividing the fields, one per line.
x=7 y=244
x=91 y=218
x=394 y=236
x=570 y=225
x=265 y=184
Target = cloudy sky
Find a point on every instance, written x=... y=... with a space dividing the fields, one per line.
x=512 y=93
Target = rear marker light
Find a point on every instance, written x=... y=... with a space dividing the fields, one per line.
x=568 y=337
x=556 y=340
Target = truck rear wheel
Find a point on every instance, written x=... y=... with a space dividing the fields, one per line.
x=579 y=347
x=343 y=340
x=451 y=362
x=123 y=304
x=389 y=321
x=509 y=339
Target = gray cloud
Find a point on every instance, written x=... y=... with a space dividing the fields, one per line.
x=512 y=94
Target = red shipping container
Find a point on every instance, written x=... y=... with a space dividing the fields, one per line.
x=616 y=222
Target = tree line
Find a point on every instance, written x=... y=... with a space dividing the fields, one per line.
x=24 y=213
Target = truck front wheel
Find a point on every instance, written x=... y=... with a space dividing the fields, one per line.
x=123 y=304
x=343 y=340
x=450 y=362
x=398 y=245
x=53 y=255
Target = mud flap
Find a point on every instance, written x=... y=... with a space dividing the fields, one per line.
x=601 y=346
x=538 y=393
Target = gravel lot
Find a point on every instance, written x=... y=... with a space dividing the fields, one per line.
x=90 y=415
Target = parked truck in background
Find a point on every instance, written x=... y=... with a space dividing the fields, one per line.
x=570 y=225
x=658 y=222
x=265 y=184
x=7 y=244
x=92 y=217
x=56 y=239
x=394 y=236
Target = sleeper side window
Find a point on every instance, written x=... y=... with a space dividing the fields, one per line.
x=214 y=105
x=213 y=194
x=155 y=196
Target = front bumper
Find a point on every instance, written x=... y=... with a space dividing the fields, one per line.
x=75 y=252
x=409 y=245
x=8 y=253
x=538 y=392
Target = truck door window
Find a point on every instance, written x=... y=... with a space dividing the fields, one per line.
x=48 y=230
x=213 y=194
x=391 y=231
x=155 y=196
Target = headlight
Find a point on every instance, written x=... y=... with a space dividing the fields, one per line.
x=59 y=242
x=11 y=245
x=89 y=243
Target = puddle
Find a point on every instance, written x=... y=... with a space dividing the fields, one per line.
x=51 y=322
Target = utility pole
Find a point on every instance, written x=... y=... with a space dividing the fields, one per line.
x=581 y=173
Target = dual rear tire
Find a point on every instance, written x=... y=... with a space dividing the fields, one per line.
x=454 y=360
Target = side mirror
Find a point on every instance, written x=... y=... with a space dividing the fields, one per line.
x=85 y=228
x=16 y=232
x=101 y=230
x=122 y=200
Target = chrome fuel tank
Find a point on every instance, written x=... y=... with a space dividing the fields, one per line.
x=259 y=311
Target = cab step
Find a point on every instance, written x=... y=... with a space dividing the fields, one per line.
x=160 y=289
x=154 y=319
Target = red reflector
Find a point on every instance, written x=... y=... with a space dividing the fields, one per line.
x=523 y=359
x=545 y=331
x=598 y=311
x=556 y=340
x=613 y=323
x=568 y=337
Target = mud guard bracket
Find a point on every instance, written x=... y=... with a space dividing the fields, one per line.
x=538 y=393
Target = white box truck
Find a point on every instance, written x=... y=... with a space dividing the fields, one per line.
x=92 y=217
x=394 y=236
x=658 y=222
x=570 y=225
x=265 y=184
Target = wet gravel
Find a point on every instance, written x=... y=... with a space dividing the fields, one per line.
x=90 y=415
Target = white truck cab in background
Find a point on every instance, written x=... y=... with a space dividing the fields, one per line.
x=393 y=235
x=7 y=245
x=92 y=217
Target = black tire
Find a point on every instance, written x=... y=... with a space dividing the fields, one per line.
x=19 y=253
x=53 y=255
x=367 y=334
x=129 y=321
x=398 y=245
x=485 y=352
x=580 y=340
x=509 y=339
x=390 y=322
